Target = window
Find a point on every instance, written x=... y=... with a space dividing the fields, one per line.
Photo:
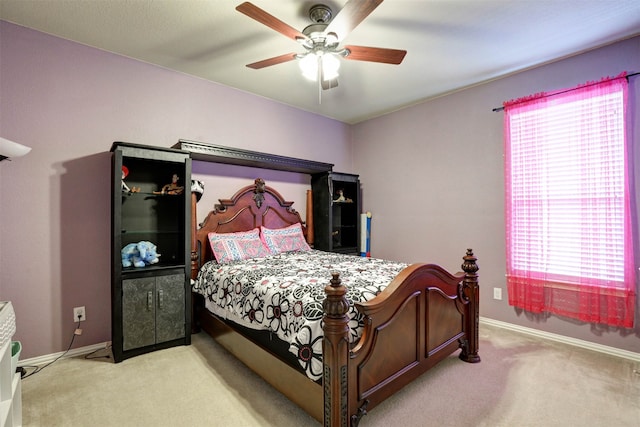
x=567 y=204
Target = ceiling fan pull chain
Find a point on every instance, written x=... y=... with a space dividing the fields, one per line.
x=320 y=77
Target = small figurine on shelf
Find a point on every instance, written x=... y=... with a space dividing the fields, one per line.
x=172 y=189
x=125 y=187
x=341 y=198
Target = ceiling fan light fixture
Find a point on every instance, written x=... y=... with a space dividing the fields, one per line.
x=330 y=66
x=309 y=66
x=310 y=63
x=331 y=40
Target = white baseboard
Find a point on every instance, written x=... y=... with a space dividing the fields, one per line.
x=563 y=339
x=47 y=358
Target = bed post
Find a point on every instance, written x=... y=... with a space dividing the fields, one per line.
x=472 y=294
x=335 y=354
x=194 y=238
x=195 y=325
x=309 y=219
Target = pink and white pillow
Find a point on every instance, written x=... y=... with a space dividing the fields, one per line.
x=239 y=246
x=286 y=239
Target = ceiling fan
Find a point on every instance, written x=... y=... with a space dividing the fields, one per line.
x=321 y=40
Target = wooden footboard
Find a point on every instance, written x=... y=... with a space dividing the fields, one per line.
x=423 y=316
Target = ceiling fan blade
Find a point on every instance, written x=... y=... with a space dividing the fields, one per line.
x=253 y=11
x=375 y=54
x=272 y=61
x=351 y=15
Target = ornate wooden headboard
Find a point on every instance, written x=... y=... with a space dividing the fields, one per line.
x=251 y=207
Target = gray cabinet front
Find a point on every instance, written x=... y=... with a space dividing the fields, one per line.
x=170 y=307
x=153 y=310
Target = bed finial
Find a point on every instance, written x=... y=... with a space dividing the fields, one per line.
x=258 y=192
x=469 y=265
x=335 y=304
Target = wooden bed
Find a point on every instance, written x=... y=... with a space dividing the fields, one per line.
x=423 y=316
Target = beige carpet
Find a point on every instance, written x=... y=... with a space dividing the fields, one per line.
x=521 y=381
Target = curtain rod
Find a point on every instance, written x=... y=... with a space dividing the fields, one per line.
x=495 y=110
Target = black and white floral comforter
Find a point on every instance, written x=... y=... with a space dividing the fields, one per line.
x=283 y=293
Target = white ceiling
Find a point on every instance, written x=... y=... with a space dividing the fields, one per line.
x=451 y=44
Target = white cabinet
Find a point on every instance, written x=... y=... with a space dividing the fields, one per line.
x=10 y=382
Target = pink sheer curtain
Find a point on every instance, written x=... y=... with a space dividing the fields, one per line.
x=567 y=204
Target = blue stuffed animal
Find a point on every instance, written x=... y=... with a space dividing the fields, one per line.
x=139 y=254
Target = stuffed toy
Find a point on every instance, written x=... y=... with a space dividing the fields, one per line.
x=197 y=187
x=139 y=254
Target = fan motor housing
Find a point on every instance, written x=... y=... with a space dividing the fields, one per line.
x=320 y=14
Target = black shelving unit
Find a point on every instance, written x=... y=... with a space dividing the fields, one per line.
x=336 y=212
x=151 y=305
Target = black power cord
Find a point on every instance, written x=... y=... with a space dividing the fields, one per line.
x=23 y=372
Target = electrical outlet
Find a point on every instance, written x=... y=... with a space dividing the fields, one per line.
x=497 y=293
x=79 y=314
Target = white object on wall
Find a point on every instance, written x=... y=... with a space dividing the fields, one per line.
x=10 y=149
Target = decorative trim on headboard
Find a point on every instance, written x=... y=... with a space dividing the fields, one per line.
x=235 y=156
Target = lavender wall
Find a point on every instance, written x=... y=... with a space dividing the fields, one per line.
x=445 y=169
x=69 y=102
